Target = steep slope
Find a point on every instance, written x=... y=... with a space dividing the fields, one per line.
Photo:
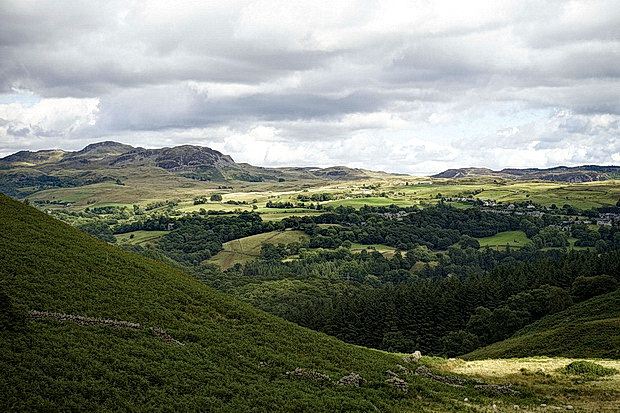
x=588 y=329
x=112 y=331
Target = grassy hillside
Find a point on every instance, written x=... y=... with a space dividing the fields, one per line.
x=127 y=356
x=588 y=329
x=248 y=249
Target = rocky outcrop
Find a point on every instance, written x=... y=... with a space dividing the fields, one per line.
x=352 y=379
x=309 y=374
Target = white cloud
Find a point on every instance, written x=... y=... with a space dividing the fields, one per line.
x=396 y=85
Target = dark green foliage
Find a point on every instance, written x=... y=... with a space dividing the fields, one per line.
x=271 y=252
x=550 y=237
x=588 y=329
x=459 y=342
x=436 y=228
x=99 y=229
x=23 y=182
x=12 y=317
x=584 y=288
x=195 y=239
x=589 y=369
x=215 y=197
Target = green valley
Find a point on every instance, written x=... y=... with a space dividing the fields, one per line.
x=357 y=269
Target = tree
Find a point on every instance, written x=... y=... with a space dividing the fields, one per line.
x=215 y=197
x=467 y=241
x=459 y=342
x=584 y=288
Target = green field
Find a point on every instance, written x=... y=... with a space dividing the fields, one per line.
x=371 y=201
x=277 y=216
x=247 y=249
x=503 y=239
x=140 y=237
x=383 y=249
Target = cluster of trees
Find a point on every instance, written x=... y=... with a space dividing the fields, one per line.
x=455 y=315
x=436 y=228
x=603 y=239
x=315 y=197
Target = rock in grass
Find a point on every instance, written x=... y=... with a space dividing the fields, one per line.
x=352 y=379
x=314 y=375
x=398 y=384
x=417 y=355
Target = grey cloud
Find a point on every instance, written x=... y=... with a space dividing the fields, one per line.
x=139 y=59
x=176 y=106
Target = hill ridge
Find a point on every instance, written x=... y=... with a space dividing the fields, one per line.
x=573 y=174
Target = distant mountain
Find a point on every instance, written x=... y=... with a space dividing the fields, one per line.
x=26 y=172
x=585 y=173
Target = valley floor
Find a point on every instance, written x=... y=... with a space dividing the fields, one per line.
x=543 y=376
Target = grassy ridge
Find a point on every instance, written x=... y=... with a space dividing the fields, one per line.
x=233 y=359
x=588 y=329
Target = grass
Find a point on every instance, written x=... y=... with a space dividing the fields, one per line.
x=502 y=239
x=247 y=249
x=372 y=201
x=143 y=185
x=544 y=375
x=277 y=216
x=140 y=237
x=587 y=329
x=383 y=249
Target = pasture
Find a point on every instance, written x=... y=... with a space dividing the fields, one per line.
x=140 y=237
x=247 y=249
x=506 y=238
x=545 y=375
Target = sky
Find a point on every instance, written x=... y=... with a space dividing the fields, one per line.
x=402 y=86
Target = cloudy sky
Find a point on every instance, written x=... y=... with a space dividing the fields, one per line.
x=402 y=86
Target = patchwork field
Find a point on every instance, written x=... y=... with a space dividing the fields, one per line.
x=247 y=249
x=140 y=237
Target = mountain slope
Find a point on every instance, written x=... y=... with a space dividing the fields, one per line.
x=106 y=331
x=588 y=329
x=585 y=173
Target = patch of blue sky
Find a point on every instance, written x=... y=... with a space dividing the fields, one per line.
x=24 y=99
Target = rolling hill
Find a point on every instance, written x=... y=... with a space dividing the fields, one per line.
x=25 y=172
x=86 y=326
x=588 y=329
x=585 y=173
